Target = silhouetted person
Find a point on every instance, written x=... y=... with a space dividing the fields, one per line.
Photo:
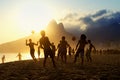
x=59 y=50
x=3 y=59
x=19 y=56
x=69 y=51
x=45 y=44
x=80 y=48
x=64 y=44
x=89 y=50
x=53 y=49
x=101 y=51
x=32 y=50
x=38 y=52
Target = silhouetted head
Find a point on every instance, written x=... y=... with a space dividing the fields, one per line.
x=52 y=43
x=30 y=40
x=63 y=37
x=42 y=33
x=83 y=36
x=89 y=41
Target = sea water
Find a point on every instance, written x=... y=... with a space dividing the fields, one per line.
x=10 y=57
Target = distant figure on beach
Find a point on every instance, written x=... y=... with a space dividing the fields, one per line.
x=32 y=50
x=19 y=56
x=80 y=48
x=89 y=50
x=64 y=45
x=53 y=49
x=100 y=51
x=3 y=59
x=58 y=50
x=46 y=46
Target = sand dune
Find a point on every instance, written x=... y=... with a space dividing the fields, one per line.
x=103 y=67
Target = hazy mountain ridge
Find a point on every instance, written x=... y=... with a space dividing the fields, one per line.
x=54 y=31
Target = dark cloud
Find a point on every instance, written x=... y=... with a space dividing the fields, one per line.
x=87 y=20
x=102 y=26
x=106 y=28
x=100 y=13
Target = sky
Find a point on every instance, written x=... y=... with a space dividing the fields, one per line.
x=19 y=17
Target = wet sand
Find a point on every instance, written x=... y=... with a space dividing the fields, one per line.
x=103 y=67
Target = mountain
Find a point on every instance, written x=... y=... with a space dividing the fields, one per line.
x=54 y=31
x=17 y=45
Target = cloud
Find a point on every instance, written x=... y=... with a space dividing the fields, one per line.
x=100 y=13
x=70 y=16
x=105 y=28
x=104 y=25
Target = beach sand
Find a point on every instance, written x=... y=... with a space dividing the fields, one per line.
x=103 y=67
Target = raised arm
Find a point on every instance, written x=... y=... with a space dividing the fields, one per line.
x=36 y=43
x=26 y=43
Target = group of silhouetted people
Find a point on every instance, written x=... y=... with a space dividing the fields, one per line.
x=45 y=45
x=50 y=49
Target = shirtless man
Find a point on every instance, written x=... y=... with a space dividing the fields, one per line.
x=46 y=46
x=32 y=50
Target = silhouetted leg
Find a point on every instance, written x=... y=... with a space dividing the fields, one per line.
x=75 y=59
x=53 y=61
x=52 y=58
x=82 y=57
x=65 y=56
x=87 y=58
x=82 y=62
x=58 y=55
x=76 y=55
x=70 y=54
x=62 y=57
x=44 y=61
x=32 y=55
x=53 y=54
x=38 y=52
x=90 y=58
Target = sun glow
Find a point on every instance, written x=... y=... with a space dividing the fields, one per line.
x=20 y=18
x=35 y=18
